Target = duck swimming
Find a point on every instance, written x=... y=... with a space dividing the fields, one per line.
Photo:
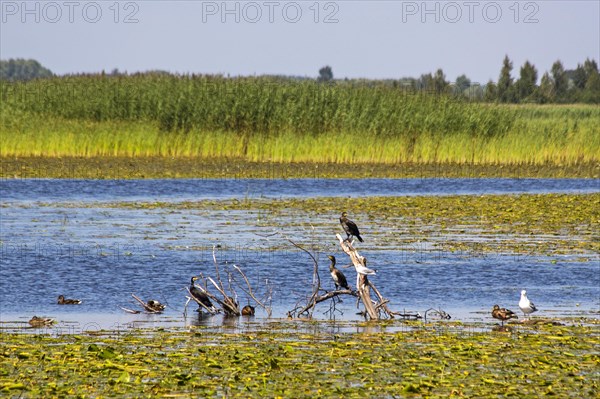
x=40 y=321
x=63 y=301
x=248 y=310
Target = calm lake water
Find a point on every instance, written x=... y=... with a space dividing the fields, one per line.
x=195 y=189
x=55 y=240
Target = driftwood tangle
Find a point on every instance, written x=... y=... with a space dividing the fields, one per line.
x=363 y=284
x=145 y=305
x=374 y=309
x=227 y=300
x=315 y=297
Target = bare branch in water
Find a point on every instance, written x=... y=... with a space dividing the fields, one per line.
x=251 y=294
x=309 y=308
x=146 y=305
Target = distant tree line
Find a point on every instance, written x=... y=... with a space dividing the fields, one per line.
x=557 y=86
x=21 y=69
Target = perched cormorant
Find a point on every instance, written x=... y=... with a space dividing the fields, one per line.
x=503 y=314
x=248 y=310
x=63 y=301
x=338 y=277
x=350 y=227
x=200 y=295
x=526 y=305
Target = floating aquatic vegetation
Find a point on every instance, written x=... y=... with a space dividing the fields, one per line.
x=279 y=359
x=530 y=224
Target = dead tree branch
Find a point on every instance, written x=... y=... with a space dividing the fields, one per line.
x=439 y=313
x=408 y=316
x=214 y=254
x=249 y=292
x=211 y=310
x=229 y=303
x=362 y=281
x=373 y=309
x=149 y=307
x=228 y=297
x=315 y=298
x=382 y=302
x=309 y=308
x=320 y=298
x=130 y=310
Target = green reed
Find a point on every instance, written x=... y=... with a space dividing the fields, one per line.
x=269 y=119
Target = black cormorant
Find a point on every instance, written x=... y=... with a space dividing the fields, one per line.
x=338 y=277
x=350 y=227
x=200 y=295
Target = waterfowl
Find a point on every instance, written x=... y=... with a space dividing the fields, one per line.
x=527 y=307
x=338 y=277
x=40 y=321
x=248 y=310
x=363 y=269
x=201 y=296
x=503 y=314
x=63 y=301
x=350 y=227
x=155 y=305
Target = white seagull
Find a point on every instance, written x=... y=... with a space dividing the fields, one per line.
x=360 y=269
x=526 y=305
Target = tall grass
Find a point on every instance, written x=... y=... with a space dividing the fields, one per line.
x=265 y=119
x=252 y=105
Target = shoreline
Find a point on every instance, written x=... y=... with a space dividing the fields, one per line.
x=187 y=167
x=94 y=322
x=307 y=359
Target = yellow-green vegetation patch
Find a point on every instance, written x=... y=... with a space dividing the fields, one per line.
x=268 y=120
x=550 y=224
x=144 y=167
x=282 y=360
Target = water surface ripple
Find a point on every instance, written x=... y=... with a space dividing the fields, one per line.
x=195 y=189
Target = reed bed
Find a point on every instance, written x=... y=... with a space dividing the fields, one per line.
x=269 y=119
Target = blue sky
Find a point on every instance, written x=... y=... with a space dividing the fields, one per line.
x=358 y=39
